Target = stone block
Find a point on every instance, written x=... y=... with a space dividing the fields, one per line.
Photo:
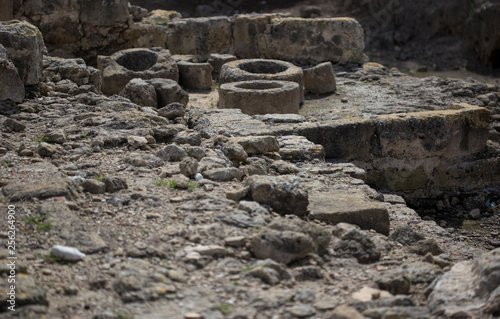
x=24 y=44
x=200 y=36
x=195 y=76
x=348 y=207
x=103 y=13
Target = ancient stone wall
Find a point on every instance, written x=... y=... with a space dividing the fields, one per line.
x=84 y=28
x=339 y=40
x=87 y=28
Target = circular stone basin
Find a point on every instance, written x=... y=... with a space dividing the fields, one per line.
x=262 y=69
x=261 y=97
x=138 y=60
x=258 y=85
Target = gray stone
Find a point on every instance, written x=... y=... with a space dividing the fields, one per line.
x=140 y=92
x=286 y=194
x=394 y=281
x=298 y=148
x=280 y=118
x=284 y=168
x=188 y=166
x=256 y=169
x=168 y=91
x=223 y=174
x=345 y=312
x=40 y=189
x=425 y=246
x=288 y=240
x=172 y=153
x=98 y=13
x=240 y=218
x=172 y=110
x=181 y=181
x=137 y=141
x=258 y=144
x=301 y=310
x=234 y=151
x=195 y=76
x=190 y=137
x=144 y=160
x=236 y=241
x=421 y=272
x=469 y=286
x=94 y=186
x=56 y=136
x=253 y=208
x=406 y=236
x=12 y=125
x=217 y=60
x=114 y=184
x=320 y=79
x=348 y=207
x=270 y=272
x=353 y=243
x=10 y=82
x=24 y=44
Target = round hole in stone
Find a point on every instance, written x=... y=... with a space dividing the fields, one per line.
x=259 y=85
x=139 y=60
x=263 y=67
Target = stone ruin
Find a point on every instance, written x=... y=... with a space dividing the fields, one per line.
x=400 y=153
x=269 y=69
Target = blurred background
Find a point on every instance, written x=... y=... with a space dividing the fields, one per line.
x=456 y=38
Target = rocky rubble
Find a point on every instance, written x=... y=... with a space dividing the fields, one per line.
x=174 y=211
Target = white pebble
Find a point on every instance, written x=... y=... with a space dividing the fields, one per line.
x=66 y=253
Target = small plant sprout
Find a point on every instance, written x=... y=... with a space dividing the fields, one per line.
x=172 y=184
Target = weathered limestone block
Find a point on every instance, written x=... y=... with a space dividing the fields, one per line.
x=162 y=16
x=249 y=34
x=462 y=130
x=287 y=240
x=6 y=13
x=315 y=40
x=468 y=286
x=103 y=13
x=320 y=79
x=168 y=91
x=217 y=60
x=24 y=44
x=11 y=86
x=258 y=144
x=140 y=92
x=298 y=148
x=119 y=68
x=195 y=76
x=261 y=97
x=348 y=207
x=286 y=194
x=200 y=36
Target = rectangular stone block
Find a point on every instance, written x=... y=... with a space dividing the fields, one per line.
x=200 y=36
x=349 y=207
x=449 y=133
x=339 y=40
x=103 y=12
